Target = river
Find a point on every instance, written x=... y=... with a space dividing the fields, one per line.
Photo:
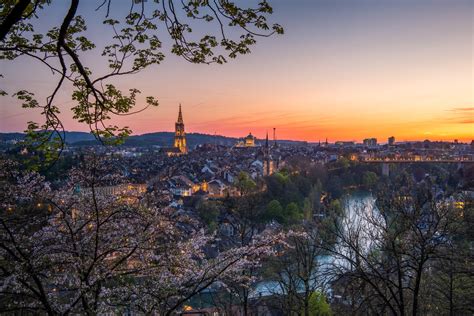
x=360 y=214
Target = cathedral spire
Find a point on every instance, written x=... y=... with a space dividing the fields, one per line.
x=180 y=135
x=267 y=159
x=180 y=115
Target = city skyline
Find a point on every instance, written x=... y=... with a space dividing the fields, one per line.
x=341 y=71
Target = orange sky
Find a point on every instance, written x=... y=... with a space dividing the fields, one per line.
x=343 y=70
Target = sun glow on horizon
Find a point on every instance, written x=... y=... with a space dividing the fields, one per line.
x=342 y=71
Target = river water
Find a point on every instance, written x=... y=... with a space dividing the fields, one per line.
x=361 y=216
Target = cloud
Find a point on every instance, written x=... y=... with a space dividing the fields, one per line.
x=462 y=115
x=463 y=109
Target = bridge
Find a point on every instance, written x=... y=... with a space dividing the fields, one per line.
x=382 y=160
x=386 y=162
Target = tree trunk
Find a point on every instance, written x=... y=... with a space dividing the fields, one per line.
x=416 y=290
x=15 y=15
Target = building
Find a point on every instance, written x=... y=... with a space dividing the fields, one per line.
x=181 y=186
x=248 y=141
x=179 y=147
x=370 y=142
x=216 y=188
x=344 y=143
x=128 y=192
x=268 y=164
x=391 y=141
x=179 y=134
x=275 y=145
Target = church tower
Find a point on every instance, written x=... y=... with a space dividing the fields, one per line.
x=275 y=145
x=180 y=135
x=268 y=166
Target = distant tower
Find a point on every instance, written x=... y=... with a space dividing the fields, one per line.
x=267 y=148
x=180 y=135
x=274 y=138
x=391 y=141
x=267 y=159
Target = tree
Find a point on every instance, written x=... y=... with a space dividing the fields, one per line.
x=307 y=209
x=274 y=211
x=451 y=281
x=314 y=197
x=383 y=254
x=300 y=274
x=342 y=163
x=293 y=213
x=209 y=212
x=318 y=306
x=369 y=179
x=245 y=214
x=335 y=187
x=134 y=46
x=78 y=250
x=287 y=188
x=245 y=184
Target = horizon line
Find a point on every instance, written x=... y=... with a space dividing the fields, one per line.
x=282 y=140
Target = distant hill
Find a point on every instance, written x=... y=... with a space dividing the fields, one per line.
x=71 y=137
x=5 y=137
x=162 y=139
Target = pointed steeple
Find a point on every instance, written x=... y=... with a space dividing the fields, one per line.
x=274 y=138
x=267 y=168
x=180 y=135
x=180 y=115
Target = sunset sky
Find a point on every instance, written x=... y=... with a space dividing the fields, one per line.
x=343 y=70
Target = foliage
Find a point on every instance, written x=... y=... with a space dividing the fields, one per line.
x=244 y=183
x=342 y=163
x=335 y=207
x=318 y=306
x=307 y=209
x=80 y=250
x=299 y=274
x=208 y=211
x=134 y=46
x=369 y=179
x=382 y=254
x=293 y=214
x=335 y=187
x=287 y=188
x=275 y=211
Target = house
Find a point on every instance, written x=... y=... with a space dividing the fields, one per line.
x=181 y=186
x=216 y=188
